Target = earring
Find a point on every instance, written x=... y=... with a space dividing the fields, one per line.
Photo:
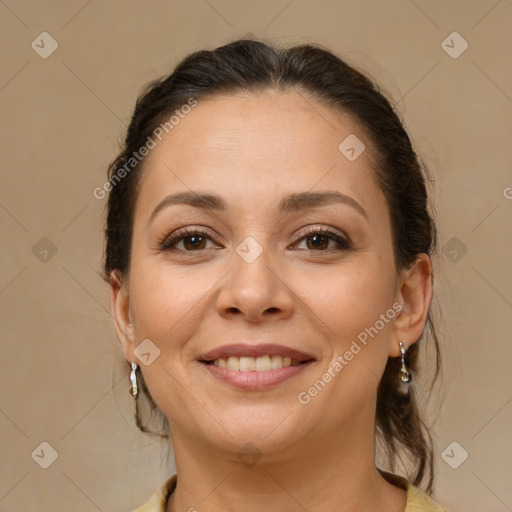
x=404 y=374
x=134 y=390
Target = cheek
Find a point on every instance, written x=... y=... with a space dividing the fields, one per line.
x=165 y=299
x=347 y=299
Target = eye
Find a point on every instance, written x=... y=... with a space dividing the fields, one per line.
x=192 y=239
x=318 y=239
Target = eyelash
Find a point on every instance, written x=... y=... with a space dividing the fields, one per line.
x=168 y=243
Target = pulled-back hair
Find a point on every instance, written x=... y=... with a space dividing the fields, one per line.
x=251 y=66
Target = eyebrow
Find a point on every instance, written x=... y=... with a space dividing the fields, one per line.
x=292 y=203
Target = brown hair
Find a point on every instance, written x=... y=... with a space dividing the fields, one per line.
x=251 y=66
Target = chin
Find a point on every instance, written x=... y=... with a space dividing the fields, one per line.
x=269 y=431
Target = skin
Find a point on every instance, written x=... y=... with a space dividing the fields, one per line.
x=253 y=150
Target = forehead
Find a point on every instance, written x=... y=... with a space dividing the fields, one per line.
x=266 y=123
x=264 y=143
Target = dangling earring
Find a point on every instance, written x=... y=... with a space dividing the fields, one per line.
x=405 y=374
x=134 y=390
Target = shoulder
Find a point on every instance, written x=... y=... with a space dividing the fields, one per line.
x=417 y=500
x=157 y=501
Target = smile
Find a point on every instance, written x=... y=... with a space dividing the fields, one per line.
x=255 y=367
x=255 y=364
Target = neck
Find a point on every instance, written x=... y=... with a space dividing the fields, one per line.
x=325 y=473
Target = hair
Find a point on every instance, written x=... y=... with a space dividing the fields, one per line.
x=253 y=66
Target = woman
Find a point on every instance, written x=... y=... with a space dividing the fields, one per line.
x=268 y=248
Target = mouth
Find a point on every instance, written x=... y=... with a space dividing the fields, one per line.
x=259 y=358
x=255 y=366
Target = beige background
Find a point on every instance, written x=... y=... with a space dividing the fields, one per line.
x=63 y=380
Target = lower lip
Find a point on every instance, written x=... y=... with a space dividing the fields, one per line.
x=255 y=380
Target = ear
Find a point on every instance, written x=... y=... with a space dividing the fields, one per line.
x=414 y=291
x=120 y=306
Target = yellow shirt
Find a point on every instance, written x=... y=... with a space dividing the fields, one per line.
x=417 y=501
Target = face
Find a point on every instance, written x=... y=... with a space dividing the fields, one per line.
x=292 y=257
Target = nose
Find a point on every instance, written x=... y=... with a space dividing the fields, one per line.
x=255 y=291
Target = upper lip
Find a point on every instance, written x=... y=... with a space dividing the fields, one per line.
x=241 y=349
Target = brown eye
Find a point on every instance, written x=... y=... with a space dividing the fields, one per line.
x=319 y=239
x=192 y=240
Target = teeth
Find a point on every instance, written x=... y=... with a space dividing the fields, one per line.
x=262 y=364
x=247 y=364
x=259 y=364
